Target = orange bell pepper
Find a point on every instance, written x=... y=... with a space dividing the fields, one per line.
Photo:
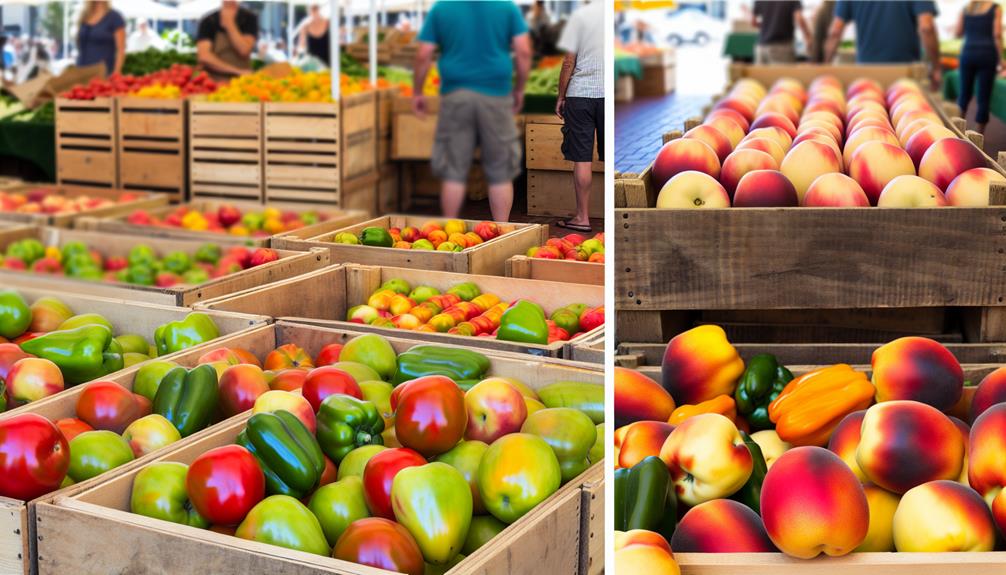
x=721 y=404
x=811 y=406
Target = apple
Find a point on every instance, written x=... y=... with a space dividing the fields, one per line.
x=495 y=408
x=47 y=314
x=148 y=377
x=150 y=433
x=240 y=386
x=322 y=382
x=275 y=400
x=33 y=378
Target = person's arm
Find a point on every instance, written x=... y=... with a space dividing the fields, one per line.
x=421 y=67
x=120 y=49
x=242 y=43
x=834 y=39
x=206 y=57
x=997 y=31
x=522 y=59
x=568 y=65
x=808 y=33
x=959 y=28
x=931 y=43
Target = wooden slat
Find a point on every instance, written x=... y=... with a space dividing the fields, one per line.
x=544 y=147
x=551 y=193
x=555 y=270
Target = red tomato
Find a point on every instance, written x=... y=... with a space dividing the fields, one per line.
x=34 y=456
x=322 y=382
x=109 y=406
x=379 y=473
x=72 y=427
x=430 y=414
x=224 y=484
x=380 y=543
x=328 y=355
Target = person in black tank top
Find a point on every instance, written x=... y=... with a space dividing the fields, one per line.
x=315 y=36
x=980 y=25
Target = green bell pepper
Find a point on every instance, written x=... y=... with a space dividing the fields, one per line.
x=645 y=498
x=177 y=262
x=82 y=354
x=466 y=291
x=15 y=315
x=141 y=256
x=286 y=451
x=750 y=493
x=73 y=248
x=762 y=381
x=523 y=322
x=587 y=397
x=455 y=363
x=188 y=398
x=28 y=250
x=377 y=237
x=209 y=254
x=195 y=329
x=345 y=423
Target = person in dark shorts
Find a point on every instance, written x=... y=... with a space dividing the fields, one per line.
x=581 y=104
x=981 y=26
x=479 y=96
x=777 y=22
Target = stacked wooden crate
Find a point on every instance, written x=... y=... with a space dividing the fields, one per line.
x=152 y=144
x=87 y=148
x=358 y=141
x=388 y=172
x=225 y=150
x=659 y=75
x=550 y=190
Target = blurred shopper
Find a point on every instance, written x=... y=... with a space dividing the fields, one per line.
x=314 y=37
x=538 y=23
x=101 y=37
x=479 y=95
x=889 y=33
x=143 y=38
x=981 y=26
x=581 y=103
x=822 y=22
x=226 y=39
x=777 y=21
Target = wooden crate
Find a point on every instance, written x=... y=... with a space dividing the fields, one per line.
x=225 y=150
x=549 y=536
x=555 y=270
x=120 y=224
x=323 y=297
x=152 y=143
x=411 y=136
x=806 y=73
x=17 y=517
x=359 y=136
x=7 y=183
x=659 y=75
x=551 y=193
x=593 y=543
x=302 y=152
x=388 y=186
x=420 y=189
x=360 y=194
x=291 y=263
x=144 y=201
x=487 y=258
x=624 y=86
x=361 y=51
x=87 y=147
x=590 y=350
x=543 y=141
x=385 y=108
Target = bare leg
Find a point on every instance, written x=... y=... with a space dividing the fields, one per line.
x=501 y=201
x=582 y=179
x=981 y=128
x=452 y=198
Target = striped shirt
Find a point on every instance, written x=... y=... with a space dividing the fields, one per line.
x=584 y=36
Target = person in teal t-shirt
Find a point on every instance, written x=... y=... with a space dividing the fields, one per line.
x=480 y=93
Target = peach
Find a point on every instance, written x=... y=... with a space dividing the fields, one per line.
x=865 y=86
x=832 y=106
x=883 y=504
x=828 y=129
x=711 y=137
x=971 y=188
x=780 y=136
x=845 y=441
x=782 y=104
x=865 y=109
x=812 y=503
x=771 y=445
x=942 y=516
x=743 y=106
x=639 y=398
x=919 y=369
x=901 y=118
x=773 y=119
x=765 y=189
x=875 y=164
x=741 y=162
x=728 y=127
x=911 y=192
x=991 y=390
x=908 y=443
x=790 y=86
x=862 y=136
x=640 y=440
x=682 y=155
x=817 y=136
x=906 y=131
x=732 y=114
x=822 y=117
x=707 y=458
x=808 y=160
x=700 y=364
x=948 y=158
x=965 y=431
x=767 y=145
x=693 y=189
x=835 y=190
x=721 y=526
x=919 y=142
x=640 y=551
x=869 y=122
x=987 y=460
x=900 y=88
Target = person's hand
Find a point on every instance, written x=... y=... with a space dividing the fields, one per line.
x=419 y=107
x=560 y=106
x=936 y=79
x=228 y=15
x=518 y=101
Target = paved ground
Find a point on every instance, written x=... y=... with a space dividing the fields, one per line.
x=640 y=125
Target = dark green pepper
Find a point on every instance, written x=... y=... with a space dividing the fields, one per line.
x=195 y=329
x=466 y=291
x=286 y=451
x=82 y=354
x=345 y=423
x=645 y=498
x=586 y=397
x=523 y=322
x=456 y=363
x=15 y=314
x=750 y=493
x=762 y=381
x=188 y=398
x=377 y=237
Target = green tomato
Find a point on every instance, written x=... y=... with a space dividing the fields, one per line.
x=282 y=520
x=159 y=491
x=95 y=452
x=338 y=504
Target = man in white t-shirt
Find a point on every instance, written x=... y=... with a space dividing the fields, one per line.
x=581 y=103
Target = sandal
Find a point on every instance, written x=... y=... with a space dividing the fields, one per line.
x=575 y=227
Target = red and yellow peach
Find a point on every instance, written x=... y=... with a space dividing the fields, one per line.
x=682 y=155
x=991 y=390
x=971 y=188
x=641 y=551
x=690 y=190
x=732 y=114
x=987 y=460
x=639 y=398
x=773 y=119
x=835 y=190
x=844 y=441
x=739 y=163
x=943 y=516
x=808 y=160
x=883 y=505
x=727 y=126
x=777 y=134
x=711 y=137
x=911 y=192
x=700 y=364
x=771 y=445
x=948 y=158
x=876 y=163
x=767 y=145
x=864 y=135
x=707 y=458
x=919 y=369
x=641 y=440
x=721 y=526
x=765 y=189
x=920 y=140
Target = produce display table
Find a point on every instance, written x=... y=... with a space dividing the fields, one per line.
x=142 y=201
x=740 y=46
x=952 y=85
x=30 y=142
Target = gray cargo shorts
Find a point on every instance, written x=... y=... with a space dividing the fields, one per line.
x=470 y=120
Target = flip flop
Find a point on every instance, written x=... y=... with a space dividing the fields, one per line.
x=575 y=227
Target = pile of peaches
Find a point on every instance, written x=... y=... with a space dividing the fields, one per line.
x=822 y=146
x=48 y=201
x=910 y=459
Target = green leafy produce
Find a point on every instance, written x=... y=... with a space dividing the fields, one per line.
x=544 y=82
x=152 y=60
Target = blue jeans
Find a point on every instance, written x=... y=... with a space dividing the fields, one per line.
x=980 y=67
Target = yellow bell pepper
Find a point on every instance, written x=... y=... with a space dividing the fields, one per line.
x=721 y=404
x=811 y=406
